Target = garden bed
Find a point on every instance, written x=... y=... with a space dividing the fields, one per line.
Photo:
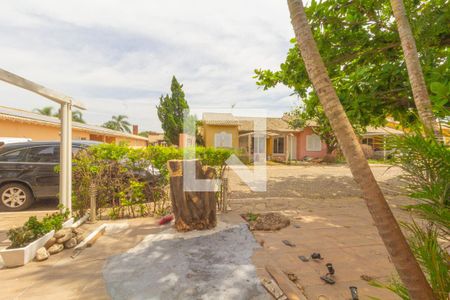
x=267 y=221
x=23 y=248
x=17 y=257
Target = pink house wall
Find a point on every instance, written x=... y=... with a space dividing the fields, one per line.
x=301 y=146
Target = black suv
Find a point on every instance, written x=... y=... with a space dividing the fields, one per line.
x=27 y=172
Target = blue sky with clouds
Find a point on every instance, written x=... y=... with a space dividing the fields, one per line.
x=118 y=57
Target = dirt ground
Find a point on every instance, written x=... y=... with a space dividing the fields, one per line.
x=327 y=216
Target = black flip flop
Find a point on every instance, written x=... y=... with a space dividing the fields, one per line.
x=328 y=279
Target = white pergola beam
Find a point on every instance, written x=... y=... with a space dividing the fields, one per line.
x=66 y=102
x=38 y=89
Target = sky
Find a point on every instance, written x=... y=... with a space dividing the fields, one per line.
x=118 y=57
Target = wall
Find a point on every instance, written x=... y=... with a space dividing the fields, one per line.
x=132 y=142
x=27 y=130
x=39 y=132
x=211 y=130
x=301 y=146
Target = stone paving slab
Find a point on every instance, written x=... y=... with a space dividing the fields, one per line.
x=214 y=265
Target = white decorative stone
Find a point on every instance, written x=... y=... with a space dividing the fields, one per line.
x=42 y=254
x=56 y=248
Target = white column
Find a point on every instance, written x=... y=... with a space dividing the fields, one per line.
x=69 y=159
x=286 y=147
x=249 y=146
x=63 y=156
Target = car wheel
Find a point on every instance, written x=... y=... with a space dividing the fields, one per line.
x=15 y=196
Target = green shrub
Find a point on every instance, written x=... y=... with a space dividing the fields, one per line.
x=20 y=237
x=114 y=174
x=34 y=229
x=113 y=168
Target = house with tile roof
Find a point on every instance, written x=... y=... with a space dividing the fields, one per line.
x=25 y=124
x=268 y=138
x=274 y=139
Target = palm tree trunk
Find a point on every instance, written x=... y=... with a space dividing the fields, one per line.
x=419 y=88
x=388 y=228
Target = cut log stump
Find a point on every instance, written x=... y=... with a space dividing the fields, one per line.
x=193 y=210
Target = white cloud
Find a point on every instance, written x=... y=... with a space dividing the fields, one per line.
x=118 y=57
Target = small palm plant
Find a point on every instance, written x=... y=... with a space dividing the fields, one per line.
x=426 y=165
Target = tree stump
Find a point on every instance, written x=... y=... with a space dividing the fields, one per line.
x=193 y=210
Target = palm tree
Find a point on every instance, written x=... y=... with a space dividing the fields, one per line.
x=118 y=123
x=77 y=115
x=419 y=88
x=388 y=228
x=46 y=111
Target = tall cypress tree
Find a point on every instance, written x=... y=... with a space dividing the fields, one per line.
x=170 y=112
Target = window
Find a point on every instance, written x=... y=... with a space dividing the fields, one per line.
x=223 y=140
x=313 y=143
x=368 y=141
x=47 y=154
x=278 y=145
x=14 y=156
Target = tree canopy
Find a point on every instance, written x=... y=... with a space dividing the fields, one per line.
x=171 y=112
x=359 y=43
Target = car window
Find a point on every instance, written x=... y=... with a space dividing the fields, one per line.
x=14 y=156
x=48 y=154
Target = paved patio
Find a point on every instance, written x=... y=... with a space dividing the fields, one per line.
x=322 y=200
x=325 y=203
x=62 y=277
